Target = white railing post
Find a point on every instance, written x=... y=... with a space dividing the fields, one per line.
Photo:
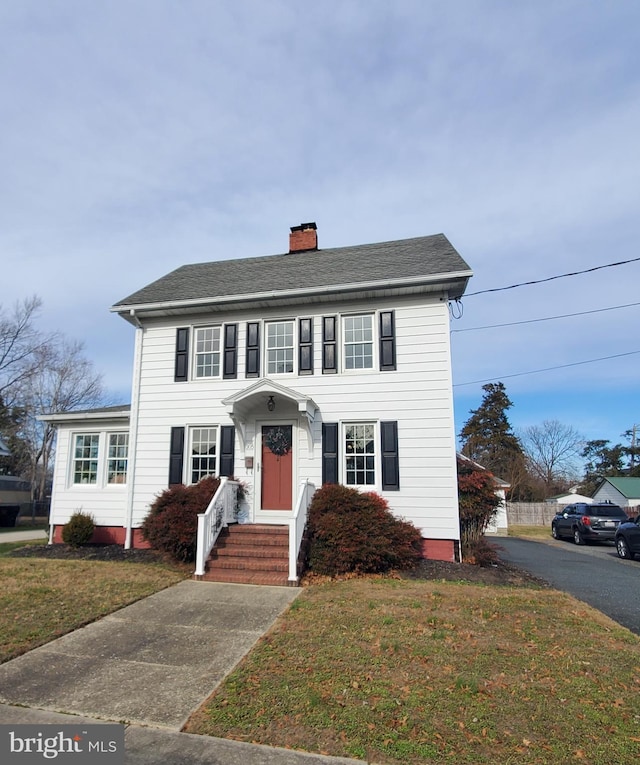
x=297 y=526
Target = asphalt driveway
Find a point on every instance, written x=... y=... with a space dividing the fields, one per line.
x=593 y=574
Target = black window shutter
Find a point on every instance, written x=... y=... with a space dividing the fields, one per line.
x=387 y=341
x=329 y=452
x=389 y=448
x=176 y=456
x=230 y=368
x=182 y=355
x=305 y=358
x=227 y=445
x=329 y=344
x=253 y=349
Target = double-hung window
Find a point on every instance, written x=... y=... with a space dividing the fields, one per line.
x=359 y=451
x=100 y=458
x=85 y=458
x=280 y=347
x=207 y=352
x=117 y=457
x=203 y=453
x=357 y=334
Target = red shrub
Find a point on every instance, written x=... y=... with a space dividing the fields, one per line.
x=172 y=522
x=353 y=532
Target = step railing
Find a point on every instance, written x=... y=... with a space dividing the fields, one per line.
x=297 y=525
x=219 y=513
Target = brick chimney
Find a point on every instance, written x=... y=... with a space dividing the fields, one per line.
x=303 y=237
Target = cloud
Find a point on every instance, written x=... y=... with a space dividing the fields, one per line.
x=139 y=136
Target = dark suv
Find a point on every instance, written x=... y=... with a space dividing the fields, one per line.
x=588 y=523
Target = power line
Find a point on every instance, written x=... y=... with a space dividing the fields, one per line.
x=551 y=278
x=547 y=318
x=547 y=369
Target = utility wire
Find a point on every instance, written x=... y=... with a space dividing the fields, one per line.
x=547 y=369
x=547 y=318
x=551 y=278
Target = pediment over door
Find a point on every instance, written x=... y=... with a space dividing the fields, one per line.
x=265 y=396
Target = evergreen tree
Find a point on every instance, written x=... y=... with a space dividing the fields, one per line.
x=488 y=439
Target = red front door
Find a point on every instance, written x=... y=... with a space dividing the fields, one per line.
x=277 y=467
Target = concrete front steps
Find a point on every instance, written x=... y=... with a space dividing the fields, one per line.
x=250 y=553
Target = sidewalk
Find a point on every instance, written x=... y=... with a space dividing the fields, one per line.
x=152 y=664
x=23 y=536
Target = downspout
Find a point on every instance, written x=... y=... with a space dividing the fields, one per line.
x=133 y=429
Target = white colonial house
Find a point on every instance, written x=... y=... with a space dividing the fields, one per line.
x=284 y=372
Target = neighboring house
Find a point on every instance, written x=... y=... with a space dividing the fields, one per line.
x=498 y=524
x=315 y=365
x=568 y=498
x=621 y=490
x=4 y=449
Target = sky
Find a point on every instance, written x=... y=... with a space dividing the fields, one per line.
x=140 y=135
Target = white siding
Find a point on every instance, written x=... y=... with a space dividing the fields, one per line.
x=418 y=396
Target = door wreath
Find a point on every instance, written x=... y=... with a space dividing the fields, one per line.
x=278 y=440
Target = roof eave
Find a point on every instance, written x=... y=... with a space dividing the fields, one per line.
x=62 y=417
x=453 y=284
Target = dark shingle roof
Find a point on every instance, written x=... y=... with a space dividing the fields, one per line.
x=411 y=259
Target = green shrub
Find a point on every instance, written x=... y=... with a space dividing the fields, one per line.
x=172 y=522
x=350 y=531
x=78 y=530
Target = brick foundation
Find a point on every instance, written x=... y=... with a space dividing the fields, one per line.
x=440 y=549
x=108 y=535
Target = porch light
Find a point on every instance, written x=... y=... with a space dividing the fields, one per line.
x=271 y=404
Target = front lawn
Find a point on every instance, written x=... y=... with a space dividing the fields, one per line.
x=42 y=599
x=399 y=671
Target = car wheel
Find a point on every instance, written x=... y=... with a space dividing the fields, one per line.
x=623 y=549
x=577 y=537
x=554 y=531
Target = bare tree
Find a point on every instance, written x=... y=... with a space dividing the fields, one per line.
x=20 y=343
x=63 y=381
x=552 y=451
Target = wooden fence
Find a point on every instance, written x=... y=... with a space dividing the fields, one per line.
x=541 y=513
x=530 y=513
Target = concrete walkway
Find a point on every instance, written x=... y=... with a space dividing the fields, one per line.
x=152 y=664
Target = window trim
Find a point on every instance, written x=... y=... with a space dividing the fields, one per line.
x=344 y=455
x=102 y=459
x=374 y=343
x=110 y=459
x=294 y=347
x=189 y=456
x=194 y=354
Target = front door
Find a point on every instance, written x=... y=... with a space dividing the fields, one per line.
x=277 y=467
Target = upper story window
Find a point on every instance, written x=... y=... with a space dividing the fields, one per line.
x=117 y=458
x=357 y=332
x=207 y=352
x=280 y=348
x=359 y=454
x=85 y=458
x=203 y=453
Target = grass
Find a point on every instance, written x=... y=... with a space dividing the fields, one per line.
x=398 y=671
x=530 y=532
x=43 y=599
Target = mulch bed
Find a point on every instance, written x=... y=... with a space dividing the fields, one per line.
x=499 y=573
x=89 y=552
